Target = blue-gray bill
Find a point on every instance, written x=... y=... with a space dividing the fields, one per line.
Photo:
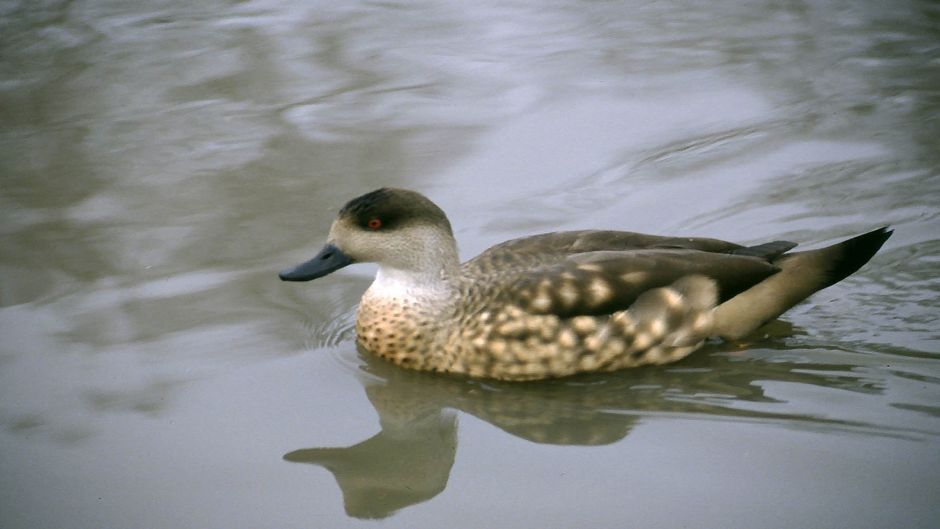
x=329 y=260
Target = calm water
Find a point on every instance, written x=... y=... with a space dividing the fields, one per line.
x=161 y=161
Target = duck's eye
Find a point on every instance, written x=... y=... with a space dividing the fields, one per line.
x=374 y=223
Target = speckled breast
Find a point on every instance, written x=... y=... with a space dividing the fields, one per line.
x=398 y=330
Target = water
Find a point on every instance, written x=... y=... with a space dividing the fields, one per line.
x=162 y=160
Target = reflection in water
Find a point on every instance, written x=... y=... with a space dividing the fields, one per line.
x=409 y=460
x=406 y=463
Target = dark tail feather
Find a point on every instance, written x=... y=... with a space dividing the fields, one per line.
x=855 y=253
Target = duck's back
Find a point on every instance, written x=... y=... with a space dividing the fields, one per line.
x=551 y=247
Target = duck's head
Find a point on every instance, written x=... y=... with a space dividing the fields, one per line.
x=401 y=230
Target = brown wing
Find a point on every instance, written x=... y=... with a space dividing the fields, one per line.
x=553 y=247
x=602 y=282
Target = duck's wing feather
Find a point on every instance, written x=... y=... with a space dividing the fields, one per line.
x=564 y=243
x=553 y=247
x=601 y=282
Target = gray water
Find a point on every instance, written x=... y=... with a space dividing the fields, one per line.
x=161 y=161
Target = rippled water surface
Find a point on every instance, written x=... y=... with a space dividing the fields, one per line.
x=160 y=161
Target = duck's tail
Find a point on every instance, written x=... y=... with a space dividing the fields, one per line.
x=801 y=274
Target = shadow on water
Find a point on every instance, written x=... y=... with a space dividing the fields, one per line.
x=409 y=460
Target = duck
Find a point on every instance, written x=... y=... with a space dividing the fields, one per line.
x=561 y=303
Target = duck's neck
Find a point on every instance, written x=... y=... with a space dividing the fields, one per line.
x=428 y=273
x=429 y=286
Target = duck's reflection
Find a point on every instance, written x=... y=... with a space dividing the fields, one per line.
x=409 y=460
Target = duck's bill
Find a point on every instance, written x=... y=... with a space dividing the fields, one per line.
x=329 y=260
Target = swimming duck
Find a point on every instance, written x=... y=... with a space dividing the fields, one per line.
x=562 y=303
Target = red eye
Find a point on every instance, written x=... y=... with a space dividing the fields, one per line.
x=374 y=223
